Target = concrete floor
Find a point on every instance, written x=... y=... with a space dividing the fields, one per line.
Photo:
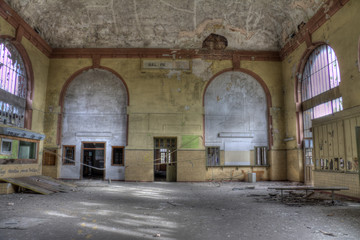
x=164 y=210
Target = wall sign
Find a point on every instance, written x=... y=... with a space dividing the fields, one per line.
x=184 y=65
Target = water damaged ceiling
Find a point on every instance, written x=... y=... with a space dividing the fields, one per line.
x=246 y=24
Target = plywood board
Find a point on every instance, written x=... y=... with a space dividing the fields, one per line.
x=348 y=144
x=335 y=140
x=325 y=142
x=340 y=127
x=40 y=184
x=353 y=137
x=330 y=136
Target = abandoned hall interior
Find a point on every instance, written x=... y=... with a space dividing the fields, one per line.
x=181 y=91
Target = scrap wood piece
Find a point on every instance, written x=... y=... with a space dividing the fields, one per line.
x=39 y=184
x=327 y=233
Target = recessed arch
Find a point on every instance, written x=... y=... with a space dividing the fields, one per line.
x=66 y=85
x=264 y=87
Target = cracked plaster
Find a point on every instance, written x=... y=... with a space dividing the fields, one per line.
x=247 y=24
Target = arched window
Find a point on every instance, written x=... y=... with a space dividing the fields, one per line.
x=319 y=85
x=320 y=96
x=13 y=84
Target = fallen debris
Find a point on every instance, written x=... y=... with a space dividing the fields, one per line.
x=20 y=223
x=327 y=233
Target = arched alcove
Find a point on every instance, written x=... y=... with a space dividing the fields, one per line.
x=236 y=116
x=94 y=111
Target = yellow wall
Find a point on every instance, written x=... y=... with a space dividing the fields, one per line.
x=339 y=32
x=59 y=72
x=6 y=28
x=40 y=66
x=163 y=103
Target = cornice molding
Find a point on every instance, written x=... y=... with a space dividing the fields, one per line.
x=22 y=27
x=164 y=53
x=311 y=26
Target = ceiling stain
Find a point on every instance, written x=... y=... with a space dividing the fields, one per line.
x=246 y=24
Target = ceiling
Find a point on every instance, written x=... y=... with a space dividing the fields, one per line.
x=246 y=24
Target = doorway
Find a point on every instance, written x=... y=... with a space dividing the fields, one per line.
x=165 y=157
x=308 y=161
x=93 y=160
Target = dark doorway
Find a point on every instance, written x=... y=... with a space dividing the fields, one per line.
x=165 y=159
x=93 y=160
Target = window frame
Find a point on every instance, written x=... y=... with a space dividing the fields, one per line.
x=2 y=150
x=64 y=161
x=18 y=160
x=47 y=153
x=207 y=156
x=112 y=155
x=36 y=150
x=17 y=45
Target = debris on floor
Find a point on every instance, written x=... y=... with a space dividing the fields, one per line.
x=40 y=184
x=20 y=223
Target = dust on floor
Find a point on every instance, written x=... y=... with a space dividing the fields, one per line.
x=163 y=210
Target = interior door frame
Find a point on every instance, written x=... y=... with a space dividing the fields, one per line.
x=82 y=157
x=168 y=148
x=308 y=167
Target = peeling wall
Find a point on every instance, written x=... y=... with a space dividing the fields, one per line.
x=250 y=25
x=235 y=104
x=94 y=111
x=40 y=66
x=164 y=103
x=340 y=34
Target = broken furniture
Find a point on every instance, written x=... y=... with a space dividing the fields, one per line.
x=309 y=188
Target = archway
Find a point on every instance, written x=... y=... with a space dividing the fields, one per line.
x=236 y=118
x=94 y=126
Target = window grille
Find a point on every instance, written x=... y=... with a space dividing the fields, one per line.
x=13 y=85
x=321 y=74
x=213 y=156
x=12 y=71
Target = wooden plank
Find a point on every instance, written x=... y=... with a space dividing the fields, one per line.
x=330 y=137
x=341 y=143
x=325 y=142
x=347 y=134
x=41 y=184
x=316 y=144
x=335 y=140
x=353 y=137
x=321 y=142
x=21 y=183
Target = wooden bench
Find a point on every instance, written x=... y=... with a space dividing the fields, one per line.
x=309 y=188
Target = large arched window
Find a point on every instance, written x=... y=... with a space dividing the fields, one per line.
x=13 y=84
x=320 y=95
x=319 y=85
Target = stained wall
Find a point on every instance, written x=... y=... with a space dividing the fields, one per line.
x=339 y=33
x=40 y=65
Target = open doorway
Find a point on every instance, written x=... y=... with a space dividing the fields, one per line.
x=93 y=160
x=165 y=159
